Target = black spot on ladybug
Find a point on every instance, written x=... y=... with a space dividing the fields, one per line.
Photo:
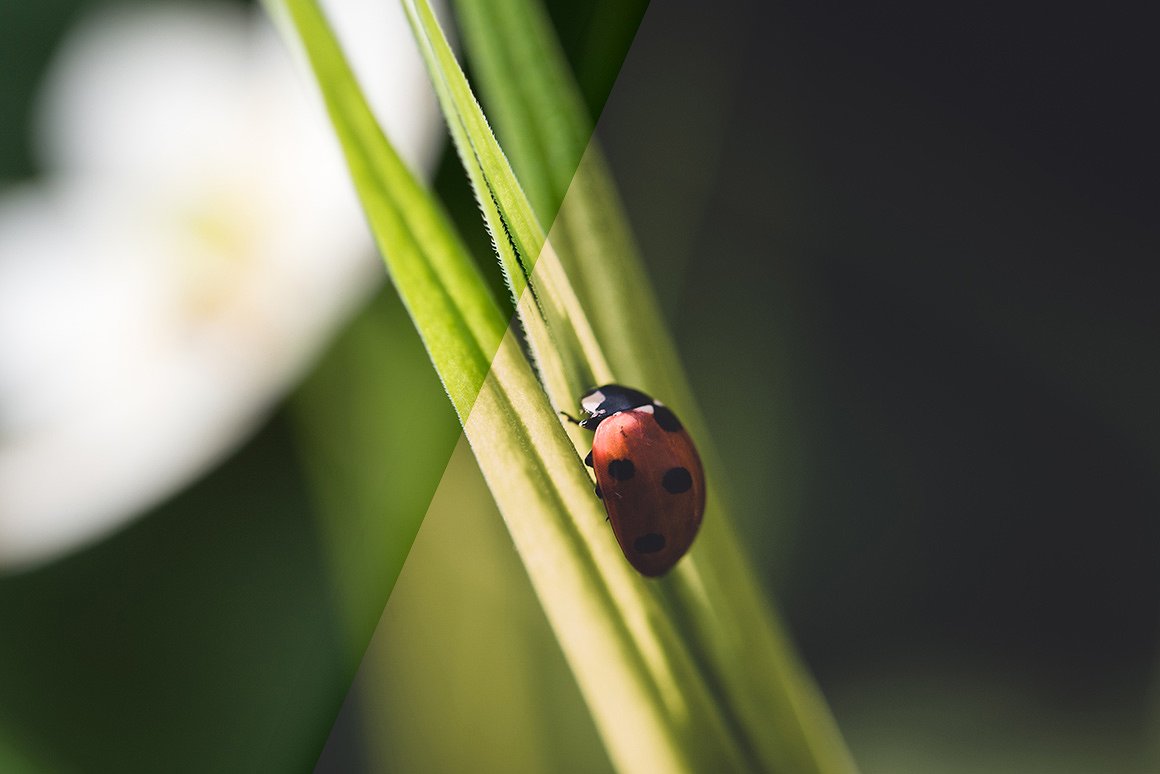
x=666 y=419
x=588 y=460
x=599 y=493
x=649 y=544
x=677 y=480
x=621 y=470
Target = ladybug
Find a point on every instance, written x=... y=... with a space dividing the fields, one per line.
x=648 y=474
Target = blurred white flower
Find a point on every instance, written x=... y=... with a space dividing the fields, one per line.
x=192 y=246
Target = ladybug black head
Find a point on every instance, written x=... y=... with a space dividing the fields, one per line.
x=602 y=402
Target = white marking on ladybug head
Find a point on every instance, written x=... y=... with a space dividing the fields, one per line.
x=658 y=403
x=646 y=409
x=592 y=401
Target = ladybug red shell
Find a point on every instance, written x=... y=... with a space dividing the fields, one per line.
x=648 y=474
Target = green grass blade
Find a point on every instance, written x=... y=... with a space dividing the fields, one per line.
x=540 y=115
x=648 y=697
x=509 y=37
x=561 y=340
x=443 y=291
x=551 y=327
x=714 y=598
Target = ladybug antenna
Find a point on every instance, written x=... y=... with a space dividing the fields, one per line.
x=569 y=417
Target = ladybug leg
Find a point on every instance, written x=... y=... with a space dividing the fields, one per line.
x=588 y=460
x=600 y=495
